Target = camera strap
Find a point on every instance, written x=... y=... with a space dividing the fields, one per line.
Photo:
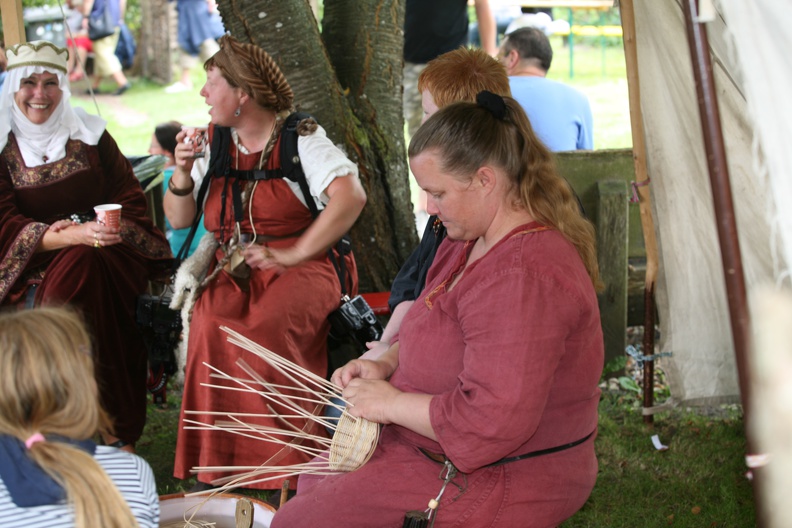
x=218 y=158
x=344 y=247
x=291 y=168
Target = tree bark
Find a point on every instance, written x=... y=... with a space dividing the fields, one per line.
x=353 y=86
x=154 y=40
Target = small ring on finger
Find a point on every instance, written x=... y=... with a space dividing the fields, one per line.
x=97 y=244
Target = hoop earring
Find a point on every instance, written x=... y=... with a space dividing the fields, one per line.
x=238 y=111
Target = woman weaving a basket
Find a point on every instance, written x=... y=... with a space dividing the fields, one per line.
x=492 y=382
x=269 y=272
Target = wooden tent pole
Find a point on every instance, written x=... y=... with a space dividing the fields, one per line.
x=645 y=203
x=13 y=25
x=725 y=219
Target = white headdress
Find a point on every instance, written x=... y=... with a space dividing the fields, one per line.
x=47 y=140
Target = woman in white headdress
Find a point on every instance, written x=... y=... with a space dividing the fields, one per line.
x=56 y=164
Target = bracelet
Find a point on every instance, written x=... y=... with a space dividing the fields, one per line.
x=181 y=192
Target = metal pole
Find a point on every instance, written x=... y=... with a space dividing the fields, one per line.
x=725 y=218
x=648 y=350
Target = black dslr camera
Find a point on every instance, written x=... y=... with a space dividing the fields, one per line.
x=356 y=319
x=161 y=330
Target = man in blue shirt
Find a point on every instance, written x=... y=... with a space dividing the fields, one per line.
x=559 y=114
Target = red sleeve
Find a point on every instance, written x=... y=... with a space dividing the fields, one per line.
x=19 y=236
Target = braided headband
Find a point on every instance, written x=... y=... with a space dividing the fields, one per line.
x=243 y=62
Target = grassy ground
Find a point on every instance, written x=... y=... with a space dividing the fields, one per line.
x=698 y=481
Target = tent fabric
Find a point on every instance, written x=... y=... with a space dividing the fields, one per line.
x=761 y=31
x=764 y=41
x=691 y=294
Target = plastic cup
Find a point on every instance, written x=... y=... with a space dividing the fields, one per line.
x=108 y=215
x=197 y=137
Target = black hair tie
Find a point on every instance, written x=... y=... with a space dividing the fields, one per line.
x=492 y=102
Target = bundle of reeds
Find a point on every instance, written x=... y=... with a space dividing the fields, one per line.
x=350 y=447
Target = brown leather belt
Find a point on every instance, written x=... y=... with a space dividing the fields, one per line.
x=440 y=458
x=437 y=457
x=246 y=238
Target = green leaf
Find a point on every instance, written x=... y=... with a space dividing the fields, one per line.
x=627 y=383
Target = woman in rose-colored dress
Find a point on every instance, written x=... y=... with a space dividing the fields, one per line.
x=496 y=365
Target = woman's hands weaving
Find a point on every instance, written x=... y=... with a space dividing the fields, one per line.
x=362 y=368
x=365 y=387
x=372 y=397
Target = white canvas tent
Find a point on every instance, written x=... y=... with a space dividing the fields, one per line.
x=691 y=295
x=750 y=43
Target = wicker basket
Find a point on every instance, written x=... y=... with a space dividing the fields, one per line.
x=353 y=443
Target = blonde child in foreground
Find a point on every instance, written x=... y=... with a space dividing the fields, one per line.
x=51 y=472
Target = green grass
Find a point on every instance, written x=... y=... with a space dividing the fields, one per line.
x=699 y=481
x=132 y=117
x=158 y=444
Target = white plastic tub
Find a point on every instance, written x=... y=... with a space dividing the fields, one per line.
x=220 y=508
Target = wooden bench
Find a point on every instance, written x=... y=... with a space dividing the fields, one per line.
x=603 y=181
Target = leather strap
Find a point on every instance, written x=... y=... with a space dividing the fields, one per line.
x=541 y=452
x=247 y=238
x=440 y=458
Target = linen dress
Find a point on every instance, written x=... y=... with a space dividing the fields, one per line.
x=513 y=354
x=102 y=283
x=283 y=310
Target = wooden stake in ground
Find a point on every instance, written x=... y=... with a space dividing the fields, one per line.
x=284 y=493
x=641 y=188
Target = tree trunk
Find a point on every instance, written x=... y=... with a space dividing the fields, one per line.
x=154 y=41
x=360 y=107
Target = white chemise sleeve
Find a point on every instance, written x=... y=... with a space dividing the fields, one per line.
x=322 y=162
